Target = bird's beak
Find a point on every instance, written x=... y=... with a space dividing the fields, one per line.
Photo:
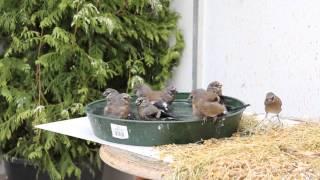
x=105 y=93
x=138 y=102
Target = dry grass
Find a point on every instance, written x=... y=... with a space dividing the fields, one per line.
x=266 y=153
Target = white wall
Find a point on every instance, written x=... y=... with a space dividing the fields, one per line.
x=258 y=46
x=182 y=77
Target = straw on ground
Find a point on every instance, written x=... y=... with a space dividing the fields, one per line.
x=264 y=153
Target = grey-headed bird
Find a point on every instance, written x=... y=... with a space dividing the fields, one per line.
x=146 y=110
x=109 y=93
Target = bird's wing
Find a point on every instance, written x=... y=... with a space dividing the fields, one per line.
x=115 y=99
x=160 y=105
x=110 y=109
x=166 y=97
x=278 y=101
x=211 y=96
x=265 y=102
x=124 y=111
x=154 y=96
x=167 y=115
x=143 y=90
x=211 y=109
x=150 y=110
x=117 y=110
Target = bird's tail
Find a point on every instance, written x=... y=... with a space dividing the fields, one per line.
x=168 y=115
x=131 y=116
x=163 y=106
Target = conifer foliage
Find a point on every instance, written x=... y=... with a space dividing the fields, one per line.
x=58 y=55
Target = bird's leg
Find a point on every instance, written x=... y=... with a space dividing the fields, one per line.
x=146 y=118
x=280 y=122
x=158 y=114
x=270 y=119
x=215 y=118
x=266 y=116
x=205 y=119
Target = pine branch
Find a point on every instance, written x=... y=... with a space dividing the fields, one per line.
x=38 y=75
x=61 y=54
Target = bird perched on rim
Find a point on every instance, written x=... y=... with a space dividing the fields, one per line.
x=206 y=95
x=206 y=104
x=272 y=104
x=141 y=89
x=118 y=105
x=148 y=111
x=169 y=94
x=216 y=87
x=109 y=93
x=161 y=99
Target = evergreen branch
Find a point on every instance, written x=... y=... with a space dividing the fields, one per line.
x=61 y=54
x=38 y=71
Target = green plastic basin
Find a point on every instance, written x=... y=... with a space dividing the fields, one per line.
x=185 y=129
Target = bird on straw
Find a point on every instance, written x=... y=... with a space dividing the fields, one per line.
x=148 y=111
x=272 y=105
x=205 y=104
x=160 y=99
x=118 y=105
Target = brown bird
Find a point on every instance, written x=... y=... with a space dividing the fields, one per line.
x=272 y=104
x=215 y=87
x=203 y=94
x=206 y=104
x=141 y=90
x=160 y=99
x=146 y=110
x=210 y=109
x=118 y=105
